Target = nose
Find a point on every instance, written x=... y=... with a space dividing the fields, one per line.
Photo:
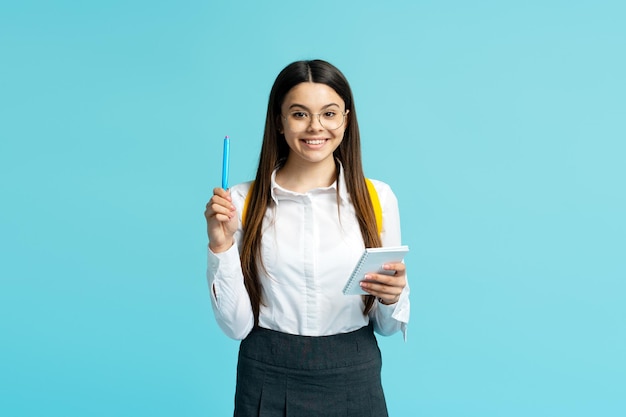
x=316 y=122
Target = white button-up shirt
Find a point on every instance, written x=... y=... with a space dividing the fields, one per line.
x=310 y=245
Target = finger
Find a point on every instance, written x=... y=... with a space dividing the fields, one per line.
x=216 y=202
x=219 y=211
x=390 y=280
x=225 y=201
x=380 y=288
x=220 y=192
x=222 y=218
x=384 y=295
x=398 y=267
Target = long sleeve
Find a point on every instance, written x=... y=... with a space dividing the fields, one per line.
x=389 y=319
x=229 y=297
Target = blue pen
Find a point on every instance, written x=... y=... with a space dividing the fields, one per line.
x=225 y=163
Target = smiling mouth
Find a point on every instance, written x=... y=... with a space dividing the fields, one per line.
x=314 y=141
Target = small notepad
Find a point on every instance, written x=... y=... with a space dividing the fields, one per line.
x=373 y=260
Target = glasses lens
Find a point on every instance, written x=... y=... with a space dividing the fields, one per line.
x=331 y=120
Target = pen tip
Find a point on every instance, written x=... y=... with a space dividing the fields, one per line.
x=226 y=137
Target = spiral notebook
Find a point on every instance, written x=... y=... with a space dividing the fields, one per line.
x=373 y=260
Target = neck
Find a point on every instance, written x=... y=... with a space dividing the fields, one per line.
x=302 y=178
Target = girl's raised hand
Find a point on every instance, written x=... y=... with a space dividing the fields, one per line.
x=221 y=220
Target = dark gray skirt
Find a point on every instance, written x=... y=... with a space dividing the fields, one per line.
x=282 y=375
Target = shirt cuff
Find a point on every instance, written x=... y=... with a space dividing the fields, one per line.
x=220 y=267
x=228 y=257
x=400 y=312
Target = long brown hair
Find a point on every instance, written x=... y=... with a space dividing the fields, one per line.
x=274 y=152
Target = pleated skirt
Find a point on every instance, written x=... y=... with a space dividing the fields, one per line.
x=283 y=375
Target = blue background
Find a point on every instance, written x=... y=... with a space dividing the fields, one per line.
x=499 y=125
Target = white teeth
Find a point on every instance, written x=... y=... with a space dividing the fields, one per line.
x=314 y=142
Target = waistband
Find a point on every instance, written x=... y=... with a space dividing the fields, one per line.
x=311 y=352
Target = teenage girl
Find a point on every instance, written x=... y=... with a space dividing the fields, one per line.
x=282 y=247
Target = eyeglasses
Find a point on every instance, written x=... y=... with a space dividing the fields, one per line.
x=301 y=120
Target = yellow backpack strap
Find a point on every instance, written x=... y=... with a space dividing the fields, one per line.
x=246 y=203
x=378 y=211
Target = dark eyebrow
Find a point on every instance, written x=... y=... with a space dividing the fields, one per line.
x=306 y=108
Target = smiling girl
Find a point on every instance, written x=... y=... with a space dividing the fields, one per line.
x=282 y=247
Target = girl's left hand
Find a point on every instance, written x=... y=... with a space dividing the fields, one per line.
x=387 y=288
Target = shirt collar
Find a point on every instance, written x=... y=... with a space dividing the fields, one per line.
x=277 y=191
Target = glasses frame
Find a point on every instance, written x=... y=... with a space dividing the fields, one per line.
x=319 y=119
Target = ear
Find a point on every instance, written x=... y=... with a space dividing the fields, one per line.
x=279 y=125
x=347 y=118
